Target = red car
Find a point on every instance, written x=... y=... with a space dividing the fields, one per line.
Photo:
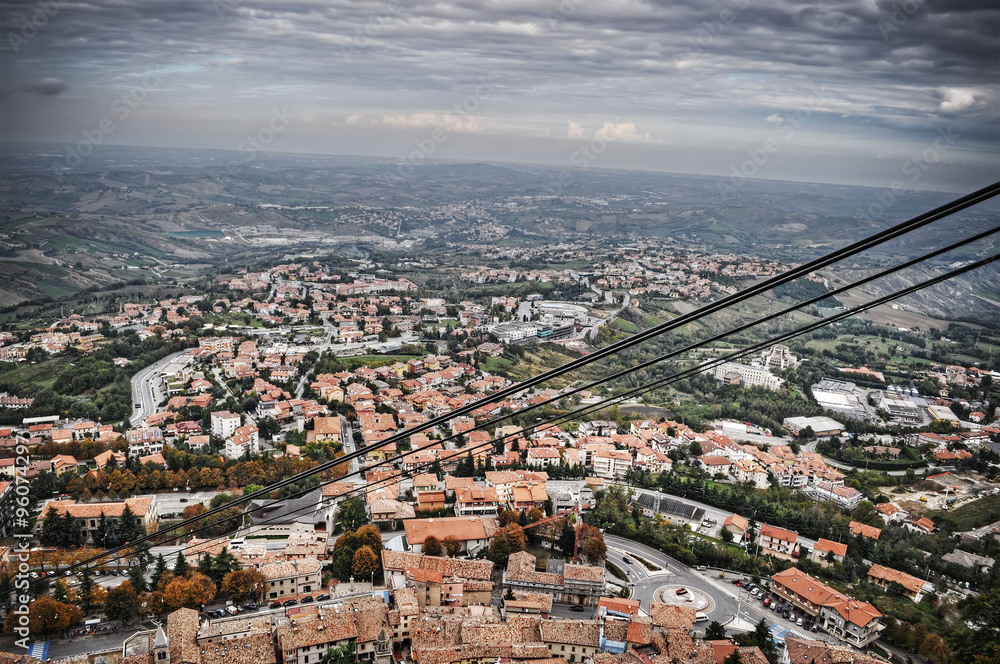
x=767 y=602
x=739 y=584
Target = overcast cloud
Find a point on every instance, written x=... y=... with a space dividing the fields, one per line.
x=834 y=90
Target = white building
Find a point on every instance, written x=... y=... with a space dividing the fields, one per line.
x=749 y=376
x=245 y=440
x=224 y=423
x=612 y=464
x=844 y=496
x=748 y=471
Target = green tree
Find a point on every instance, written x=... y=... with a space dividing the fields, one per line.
x=340 y=655
x=138 y=580
x=352 y=514
x=86 y=591
x=159 y=572
x=181 y=567
x=715 y=631
x=122 y=603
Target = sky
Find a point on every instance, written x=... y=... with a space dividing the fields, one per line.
x=872 y=92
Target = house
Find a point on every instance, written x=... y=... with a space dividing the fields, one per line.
x=918 y=524
x=823 y=550
x=184 y=640
x=890 y=513
x=981 y=564
x=63 y=463
x=224 y=423
x=574 y=641
x=429 y=501
x=778 y=542
x=844 y=496
x=885 y=576
x=543 y=457
x=473 y=532
x=291 y=578
x=744 y=470
x=863 y=529
x=144 y=440
x=387 y=510
x=737 y=525
x=852 y=621
x=808 y=651
x=327 y=429
x=476 y=500
x=245 y=441
x=714 y=464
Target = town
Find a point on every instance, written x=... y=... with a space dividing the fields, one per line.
x=827 y=532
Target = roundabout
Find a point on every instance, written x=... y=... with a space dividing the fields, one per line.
x=681 y=595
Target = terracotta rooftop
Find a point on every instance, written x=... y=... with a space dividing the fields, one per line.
x=825 y=545
x=859 y=528
x=890 y=575
x=463 y=528
x=572 y=632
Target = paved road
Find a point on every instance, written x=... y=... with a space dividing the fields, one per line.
x=713 y=512
x=731 y=606
x=142 y=389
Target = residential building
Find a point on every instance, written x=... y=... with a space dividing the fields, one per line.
x=778 y=542
x=981 y=564
x=882 y=576
x=245 y=441
x=824 y=549
x=89 y=514
x=852 y=621
x=144 y=441
x=474 y=532
x=573 y=640
x=477 y=500
x=844 y=496
x=749 y=376
x=225 y=424
x=612 y=464
x=863 y=529
x=566 y=582
x=292 y=578
x=919 y=524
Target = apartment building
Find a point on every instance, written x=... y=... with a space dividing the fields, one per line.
x=848 y=619
x=225 y=424
x=476 y=500
x=612 y=464
x=778 y=542
x=885 y=576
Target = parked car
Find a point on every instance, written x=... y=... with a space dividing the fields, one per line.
x=815 y=627
x=291 y=602
x=799 y=622
x=274 y=605
x=232 y=610
x=784 y=614
x=739 y=584
x=702 y=567
x=767 y=601
x=307 y=599
x=577 y=608
x=323 y=597
x=682 y=591
x=735 y=582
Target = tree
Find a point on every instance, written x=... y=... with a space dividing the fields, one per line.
x=223 y=564
x=86 y=591
x=129 y=527
x=592 y=545
x=181 y=567
x=715 y=631
x=567 y=540
x=159 y=572
x=49 y=534
x=342 y=561
x=244 y=585
x=191 y=592
x=369 y=536
x=733 y=658
x=365 y=563
x=726 y=535
x=205 y=564
x=431 y=547
x=352 y=514
x=138 y=580
x=46 y=616
x=451 y=545
x=122 y=603
x=340 y=655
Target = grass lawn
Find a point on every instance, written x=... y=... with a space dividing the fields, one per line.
x=972 y=515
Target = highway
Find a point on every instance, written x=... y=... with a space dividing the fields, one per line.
x=142 y=388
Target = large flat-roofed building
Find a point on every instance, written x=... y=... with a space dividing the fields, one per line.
x=852 y=621
x=750 y=376
x=843 y=397
x=821 y=426
x=89 y=514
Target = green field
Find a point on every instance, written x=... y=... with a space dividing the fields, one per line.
x=972 y=515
